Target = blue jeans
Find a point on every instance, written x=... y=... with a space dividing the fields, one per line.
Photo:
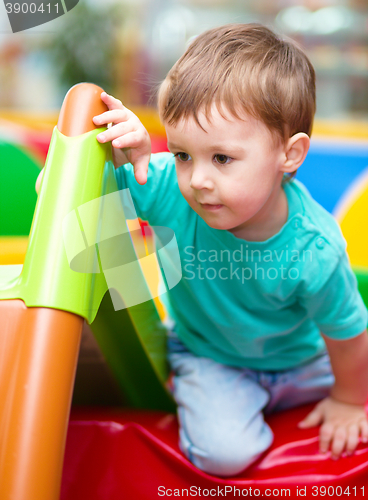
x=220 y=408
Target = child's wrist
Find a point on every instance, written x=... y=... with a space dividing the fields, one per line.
x=347 y=396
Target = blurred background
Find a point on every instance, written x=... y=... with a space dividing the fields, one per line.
x=127 y=46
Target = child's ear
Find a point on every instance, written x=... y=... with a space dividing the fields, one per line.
x=296 y=149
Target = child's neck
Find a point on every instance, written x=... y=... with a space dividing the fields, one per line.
x=268 y=221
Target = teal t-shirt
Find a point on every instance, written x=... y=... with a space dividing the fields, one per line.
x=259 y=305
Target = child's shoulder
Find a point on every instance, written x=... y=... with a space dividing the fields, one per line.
x=316 y=218
x=323 y=244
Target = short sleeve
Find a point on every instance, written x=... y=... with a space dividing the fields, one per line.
x=154 y=200
x=335 y=305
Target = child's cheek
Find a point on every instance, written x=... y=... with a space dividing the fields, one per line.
x=185 y=190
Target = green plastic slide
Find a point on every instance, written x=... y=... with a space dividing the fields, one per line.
x=78 y=231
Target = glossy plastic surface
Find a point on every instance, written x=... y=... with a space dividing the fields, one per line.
x=133 y=342
x=38 y=353
x=83 y=103
x=111 y=455
x=47 y=279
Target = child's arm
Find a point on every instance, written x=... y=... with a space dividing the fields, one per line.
x=130 y=140
x=342 y=414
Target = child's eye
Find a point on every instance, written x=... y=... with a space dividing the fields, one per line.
x=182 y=156
x=222 y=159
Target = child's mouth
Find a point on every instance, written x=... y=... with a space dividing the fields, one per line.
x=210 y=208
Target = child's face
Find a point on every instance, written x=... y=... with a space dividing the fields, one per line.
x=231 y=173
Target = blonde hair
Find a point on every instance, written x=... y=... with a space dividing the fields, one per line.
x=242 y=67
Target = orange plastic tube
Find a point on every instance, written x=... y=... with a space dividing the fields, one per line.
x=38 y=357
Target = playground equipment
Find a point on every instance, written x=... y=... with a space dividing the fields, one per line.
x=110 y=454
x=42 y=311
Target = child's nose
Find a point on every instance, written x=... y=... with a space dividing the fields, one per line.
x=201 y=178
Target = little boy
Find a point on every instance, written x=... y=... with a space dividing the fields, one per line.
x=266 y=282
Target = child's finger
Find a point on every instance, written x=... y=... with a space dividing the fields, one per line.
x=111 y=102
x=311 y=420
x=112 y=116
x=352 y=439
x=326 y=433
x=364 y=431
x=338 y=442
x=116 y=134
x=128 y=140
x=141 y=169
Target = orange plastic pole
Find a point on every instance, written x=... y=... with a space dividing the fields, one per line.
x=38 y=356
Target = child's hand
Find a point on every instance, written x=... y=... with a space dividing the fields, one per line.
x=342 y=424
x=130 y=140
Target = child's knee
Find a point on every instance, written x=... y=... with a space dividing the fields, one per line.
x=224 y=456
